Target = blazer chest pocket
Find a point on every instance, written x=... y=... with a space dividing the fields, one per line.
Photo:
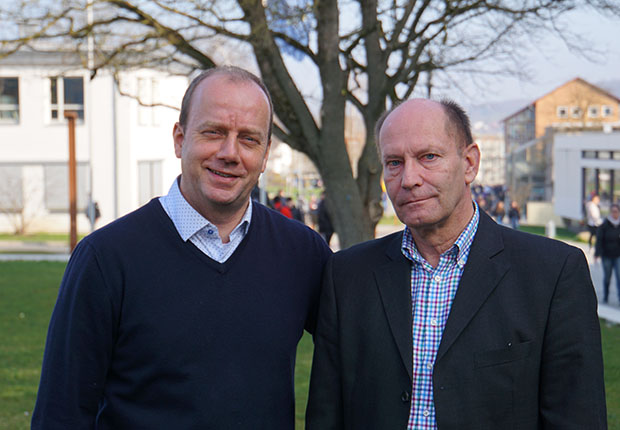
x=495 y=357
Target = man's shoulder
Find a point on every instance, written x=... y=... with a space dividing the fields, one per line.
x=267 y=216
x=533 y=245
x=271 y=223
x=389 y=244
x=124 y=230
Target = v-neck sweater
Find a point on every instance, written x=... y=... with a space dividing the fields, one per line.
x=148 y=332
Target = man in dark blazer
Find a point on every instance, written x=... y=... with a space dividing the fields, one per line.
x=455 y=323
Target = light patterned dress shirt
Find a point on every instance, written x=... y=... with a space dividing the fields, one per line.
x=198 y=230
x=432 y=293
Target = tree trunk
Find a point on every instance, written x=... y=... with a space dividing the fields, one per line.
x=344 y=202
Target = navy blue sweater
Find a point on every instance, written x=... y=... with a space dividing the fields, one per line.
x=150 y=333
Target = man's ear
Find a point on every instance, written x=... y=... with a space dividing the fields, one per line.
x=178 y=135
x=471 y=158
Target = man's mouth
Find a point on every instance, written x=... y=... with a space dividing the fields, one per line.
x=222 y=174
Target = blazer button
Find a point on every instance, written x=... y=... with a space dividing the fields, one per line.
x=405 y=396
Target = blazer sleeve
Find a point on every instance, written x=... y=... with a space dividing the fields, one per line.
x=572 y=392
x=324 y=409
x=78 y=348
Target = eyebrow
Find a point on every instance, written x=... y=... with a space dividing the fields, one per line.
x=214 y=124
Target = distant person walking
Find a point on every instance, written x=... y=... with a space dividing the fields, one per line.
x=608 y=248
x=514 y=215
x=499 y=212
x=593 y=217
x=296 y=211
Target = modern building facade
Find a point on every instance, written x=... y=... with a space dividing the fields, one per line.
x=590 y=165
x=575 y=105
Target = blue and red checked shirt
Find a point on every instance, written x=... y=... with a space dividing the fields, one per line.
x=432 y=293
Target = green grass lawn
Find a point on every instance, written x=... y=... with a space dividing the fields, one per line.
x=39 y=237
x=27 y=295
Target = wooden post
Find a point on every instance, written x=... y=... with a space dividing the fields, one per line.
x=72 y=116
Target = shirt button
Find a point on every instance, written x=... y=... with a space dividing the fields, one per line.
x=434 y=322
x=426 y=413
x=429 y=365
x=405 y=396
x=210 y=231
x=437 y=278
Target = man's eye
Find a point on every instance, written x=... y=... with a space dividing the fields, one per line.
x=430 y=156
x=250 y=139
x=393 y=163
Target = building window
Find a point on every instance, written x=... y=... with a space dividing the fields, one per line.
x=149 y=180
x=57 y=186
x=11 y=189
x=67 y=94
x=575 y=112
x=606 y=111
x=562 y=112
x=9 y=100
x=593 y=111
x=589 y=154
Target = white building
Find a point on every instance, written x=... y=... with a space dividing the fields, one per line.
x=585 y=163
x=124 y=148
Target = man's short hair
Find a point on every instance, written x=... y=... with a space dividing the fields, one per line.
x=235 y=74
x=457 y=123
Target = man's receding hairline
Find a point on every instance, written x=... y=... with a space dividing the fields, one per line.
x=233 y=74
x=452 y=121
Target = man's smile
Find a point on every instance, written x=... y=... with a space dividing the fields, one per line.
x=222 y=174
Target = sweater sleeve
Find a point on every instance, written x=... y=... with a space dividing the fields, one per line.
x=79 y=346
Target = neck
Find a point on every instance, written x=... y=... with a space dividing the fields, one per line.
x=432 y=241
x=226 y=221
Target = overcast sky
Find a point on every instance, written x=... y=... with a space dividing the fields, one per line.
x=557 y=65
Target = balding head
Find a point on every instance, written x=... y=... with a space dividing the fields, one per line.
x=454 y=118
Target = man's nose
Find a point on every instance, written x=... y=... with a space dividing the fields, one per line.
x=229 y=149
x=412 y=175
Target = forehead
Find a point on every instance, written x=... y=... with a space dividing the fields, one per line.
x=227 y=95
x=415 y=124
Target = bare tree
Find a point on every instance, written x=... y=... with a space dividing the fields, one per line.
x=19 y=198
x=368 y=53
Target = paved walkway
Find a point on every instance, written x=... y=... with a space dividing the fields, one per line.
x=59 y=251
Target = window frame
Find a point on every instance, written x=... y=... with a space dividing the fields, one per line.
x=58 y=106
x=561 y=109
x=594 y=111
x=9 y=107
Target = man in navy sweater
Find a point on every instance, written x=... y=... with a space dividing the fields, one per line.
x=187 y=312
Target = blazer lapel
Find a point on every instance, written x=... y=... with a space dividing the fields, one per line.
x=484 y=269
x=394 y=281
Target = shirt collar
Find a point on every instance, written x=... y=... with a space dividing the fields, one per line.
x=188 y=221
x=460 y=248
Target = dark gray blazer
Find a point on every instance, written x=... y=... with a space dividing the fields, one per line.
x=521 y=348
